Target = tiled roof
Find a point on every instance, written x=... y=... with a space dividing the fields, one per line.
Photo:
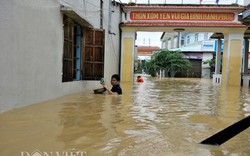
x=183 y=24
x=147 y=48
x=207 y=7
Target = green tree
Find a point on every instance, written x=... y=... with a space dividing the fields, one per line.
x=151 y=67
x=143 y=62
x=170 y=61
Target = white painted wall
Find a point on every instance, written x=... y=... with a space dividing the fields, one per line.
x=31 y=54
x=201 y=37
x=163 y=45
x=205 y=67
x=89 y=9
x=206 y=56
x=112 y=42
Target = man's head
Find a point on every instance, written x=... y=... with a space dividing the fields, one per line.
x=115 y=79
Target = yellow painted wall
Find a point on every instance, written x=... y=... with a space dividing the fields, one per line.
x=235 y=63
x=225 y=61
x=127 y=60
x=231 y=76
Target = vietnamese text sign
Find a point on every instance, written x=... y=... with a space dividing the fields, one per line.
x=190 y=16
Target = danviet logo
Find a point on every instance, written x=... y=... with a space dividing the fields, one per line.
x=37 y=152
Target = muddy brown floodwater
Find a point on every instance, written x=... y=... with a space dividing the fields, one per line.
x=159 y=117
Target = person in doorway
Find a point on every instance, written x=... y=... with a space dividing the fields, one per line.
x=139 y=79
x=115 y=82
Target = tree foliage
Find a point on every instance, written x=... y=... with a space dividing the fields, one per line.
x=170 y=61
x=151 y=67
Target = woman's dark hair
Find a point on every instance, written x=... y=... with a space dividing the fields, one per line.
x=116 y=76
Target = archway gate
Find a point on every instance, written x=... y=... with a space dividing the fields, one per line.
x=190 y=18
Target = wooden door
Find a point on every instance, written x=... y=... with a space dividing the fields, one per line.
x=93 y=55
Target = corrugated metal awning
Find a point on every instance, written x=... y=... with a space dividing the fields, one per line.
x=68 y=11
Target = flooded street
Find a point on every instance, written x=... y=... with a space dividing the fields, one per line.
x=159 y=117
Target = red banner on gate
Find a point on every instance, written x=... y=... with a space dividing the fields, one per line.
x=188 y=16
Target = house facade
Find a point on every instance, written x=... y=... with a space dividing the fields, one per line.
x=196 y=46
x=51 y=48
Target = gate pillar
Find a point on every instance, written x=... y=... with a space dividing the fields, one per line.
x=232 y=59
x=127 y=56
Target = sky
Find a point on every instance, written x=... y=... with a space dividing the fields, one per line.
x=153 y=38
x=148 y=39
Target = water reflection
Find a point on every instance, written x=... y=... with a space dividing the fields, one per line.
x=78 y=122
x=157 y=117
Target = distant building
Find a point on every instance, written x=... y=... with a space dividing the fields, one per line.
x=146 y=50
x=144 y=53
x=196 y=46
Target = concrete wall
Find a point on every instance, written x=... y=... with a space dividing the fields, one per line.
x=205 y=67
x=112 y=42
x=206 y=56
x=31 y=54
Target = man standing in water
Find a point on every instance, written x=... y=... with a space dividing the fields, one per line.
x=115 y=82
